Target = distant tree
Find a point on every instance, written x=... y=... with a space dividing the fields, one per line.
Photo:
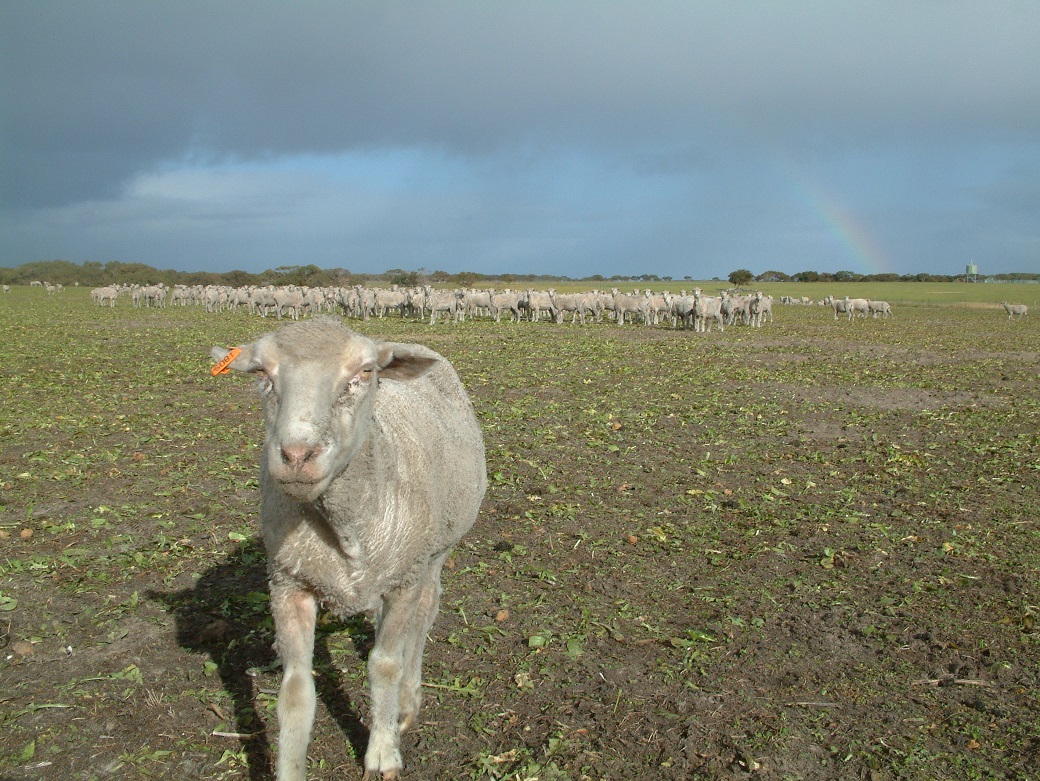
x=806 y=276
x=238 y=278
x=740 y=277
x=773 y=276
x=341 y=277
x=467 y=278
x=131 y=273
x=847 y=276
x=200 y=278
x=93 y=274
x=887 y=277
x=402 y=278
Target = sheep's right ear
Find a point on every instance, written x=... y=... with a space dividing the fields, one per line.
x=241 y=359
x=401 y=362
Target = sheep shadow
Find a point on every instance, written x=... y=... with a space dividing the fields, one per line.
x=226 y=616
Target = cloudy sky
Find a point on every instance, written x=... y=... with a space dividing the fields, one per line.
x=576 y=138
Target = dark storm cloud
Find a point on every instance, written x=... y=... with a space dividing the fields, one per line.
x=98 y=94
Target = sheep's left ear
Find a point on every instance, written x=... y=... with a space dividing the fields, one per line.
x=243 y=360
x=401 y=362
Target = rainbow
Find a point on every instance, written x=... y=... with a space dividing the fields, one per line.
x=849 y=232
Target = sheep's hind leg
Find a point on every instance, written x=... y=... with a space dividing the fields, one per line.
x=410 y=696
x=294 y=614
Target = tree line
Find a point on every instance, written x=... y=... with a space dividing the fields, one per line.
x=95 y=274
x=742 y=277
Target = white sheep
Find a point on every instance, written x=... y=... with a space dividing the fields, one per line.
x=838 y=305
x=505 y=302
x=759 y=307
x=857 y=306
x=373 y=467
x=1015 y=309
x=683 y=311
x=630 y=304
x=881 y=308
x=104 y=296
x=446 y=301
x=707 y=311
x=390 y=299
x=288 y=301
x=539 y=301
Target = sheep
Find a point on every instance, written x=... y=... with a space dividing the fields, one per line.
x=476 y=301
x=373 y=467
x=1015 y=309
x=707 y=309
x=180 y=295
x=7 y=288
x=415 y=302
x=144 y=296
x=288 y=300
x=854 y=306
x=838 y=305
x=365 y=302
x=683 y=310
x=104 y=296
x=506 y=301
x=447 y=301
x=580 y=305
x=880 y=308
x=630 y=304
x=390 y=299
x=765 y=307
x=660 y=306
x=735 y=309
x=759 y=305
x=539 y=301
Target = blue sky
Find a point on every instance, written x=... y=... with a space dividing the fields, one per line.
x=574 y=138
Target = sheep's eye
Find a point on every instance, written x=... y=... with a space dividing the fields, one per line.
x=360 y=380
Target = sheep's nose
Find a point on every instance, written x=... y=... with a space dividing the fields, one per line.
x=298 y=454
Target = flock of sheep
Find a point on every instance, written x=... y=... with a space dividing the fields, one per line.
x=696 y=310
x=683 y=310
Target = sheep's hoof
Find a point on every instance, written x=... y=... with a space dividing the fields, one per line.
x=383 y=759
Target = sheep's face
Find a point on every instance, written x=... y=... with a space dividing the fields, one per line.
x=319 y=381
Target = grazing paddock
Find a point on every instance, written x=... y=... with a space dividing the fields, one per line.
x=802 y=551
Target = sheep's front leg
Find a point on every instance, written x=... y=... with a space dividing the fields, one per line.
x=294 y=614
x=387 y=664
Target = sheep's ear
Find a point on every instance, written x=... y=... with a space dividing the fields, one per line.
x=400 y=362
x=245 y=361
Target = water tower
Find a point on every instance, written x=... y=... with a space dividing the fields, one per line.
x=971 y=273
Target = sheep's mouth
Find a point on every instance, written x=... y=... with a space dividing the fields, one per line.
x=303 y=490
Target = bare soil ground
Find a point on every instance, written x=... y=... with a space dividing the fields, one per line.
x=805 y=552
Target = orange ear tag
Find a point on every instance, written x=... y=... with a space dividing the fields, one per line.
x=222 y=366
